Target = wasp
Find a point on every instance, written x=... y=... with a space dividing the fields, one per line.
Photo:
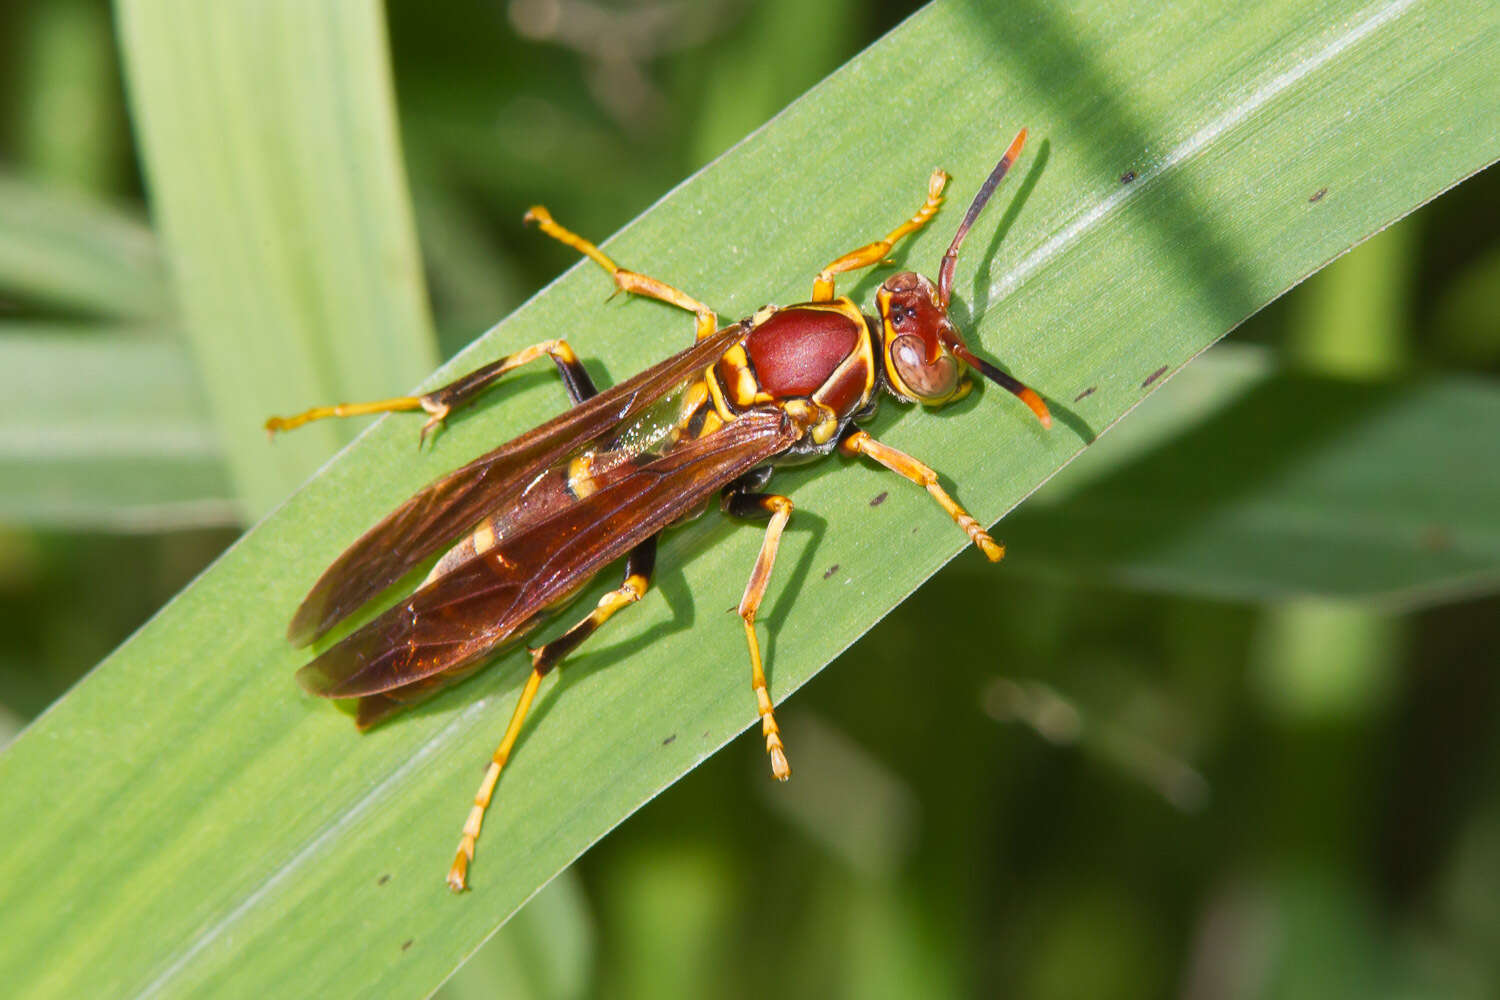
x=520 y=531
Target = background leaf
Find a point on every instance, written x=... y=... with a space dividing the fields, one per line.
x=64 y=251
x=270 y=143
x=1356 y=490
x=105 y=428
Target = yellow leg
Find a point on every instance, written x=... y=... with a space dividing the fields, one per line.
x=860 y=443
x=781 y=510
x=440 y=402
x=393 y=405
x=458 y=874
x=631 y=282
x=638 y=570
x=874 y=253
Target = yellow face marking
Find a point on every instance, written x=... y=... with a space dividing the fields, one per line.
x=882 y=303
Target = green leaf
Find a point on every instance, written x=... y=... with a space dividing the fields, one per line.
x=105 y=428
x=1372 y=491
x=63 y=250
x=186 y=821
x=546 y=952
x=270 y=145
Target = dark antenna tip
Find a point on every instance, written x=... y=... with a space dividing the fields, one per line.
x=950 y=259
x=1014 y=386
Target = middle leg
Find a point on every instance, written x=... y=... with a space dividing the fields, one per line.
x=462 y=391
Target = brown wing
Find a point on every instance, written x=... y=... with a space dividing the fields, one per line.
x=445 y=509
x=464 y=615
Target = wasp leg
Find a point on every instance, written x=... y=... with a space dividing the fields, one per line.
x=631 y=282
x=458 y=874
x=874 y=253
x=741 y=503
x=860 y=443
x=639 y=566
x=462 y=391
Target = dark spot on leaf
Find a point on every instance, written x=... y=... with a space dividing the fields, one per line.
x=878 y=499
x=1154 y=376
x=830 y=571
x=382 y=880
x=1317 y=196
x=1436 y=539
x=407 y=943
x=705 y=734
x=668 y=740
x=1127 y=177
x=1085 y=394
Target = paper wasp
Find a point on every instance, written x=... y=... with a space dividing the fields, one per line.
x=524 y=528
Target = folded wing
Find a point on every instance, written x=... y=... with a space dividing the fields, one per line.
x=444 y=510
x=464 y=615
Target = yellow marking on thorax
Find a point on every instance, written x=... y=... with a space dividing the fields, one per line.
x=695 y=396
x=816 y=420
x=725 y=409
x=743 y=389
x=826 y=428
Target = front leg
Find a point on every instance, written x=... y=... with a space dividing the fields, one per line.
x=874 y=253
x=860 y=443
x=630 y=282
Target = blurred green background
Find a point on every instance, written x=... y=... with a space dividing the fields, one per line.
x=1153 y=781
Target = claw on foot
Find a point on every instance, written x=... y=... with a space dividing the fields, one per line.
x=780 y=769
x=435 y=423
x=458 y=875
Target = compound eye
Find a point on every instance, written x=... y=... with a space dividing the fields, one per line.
x=934 y=380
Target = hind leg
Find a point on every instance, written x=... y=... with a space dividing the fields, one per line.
x=639 y=566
